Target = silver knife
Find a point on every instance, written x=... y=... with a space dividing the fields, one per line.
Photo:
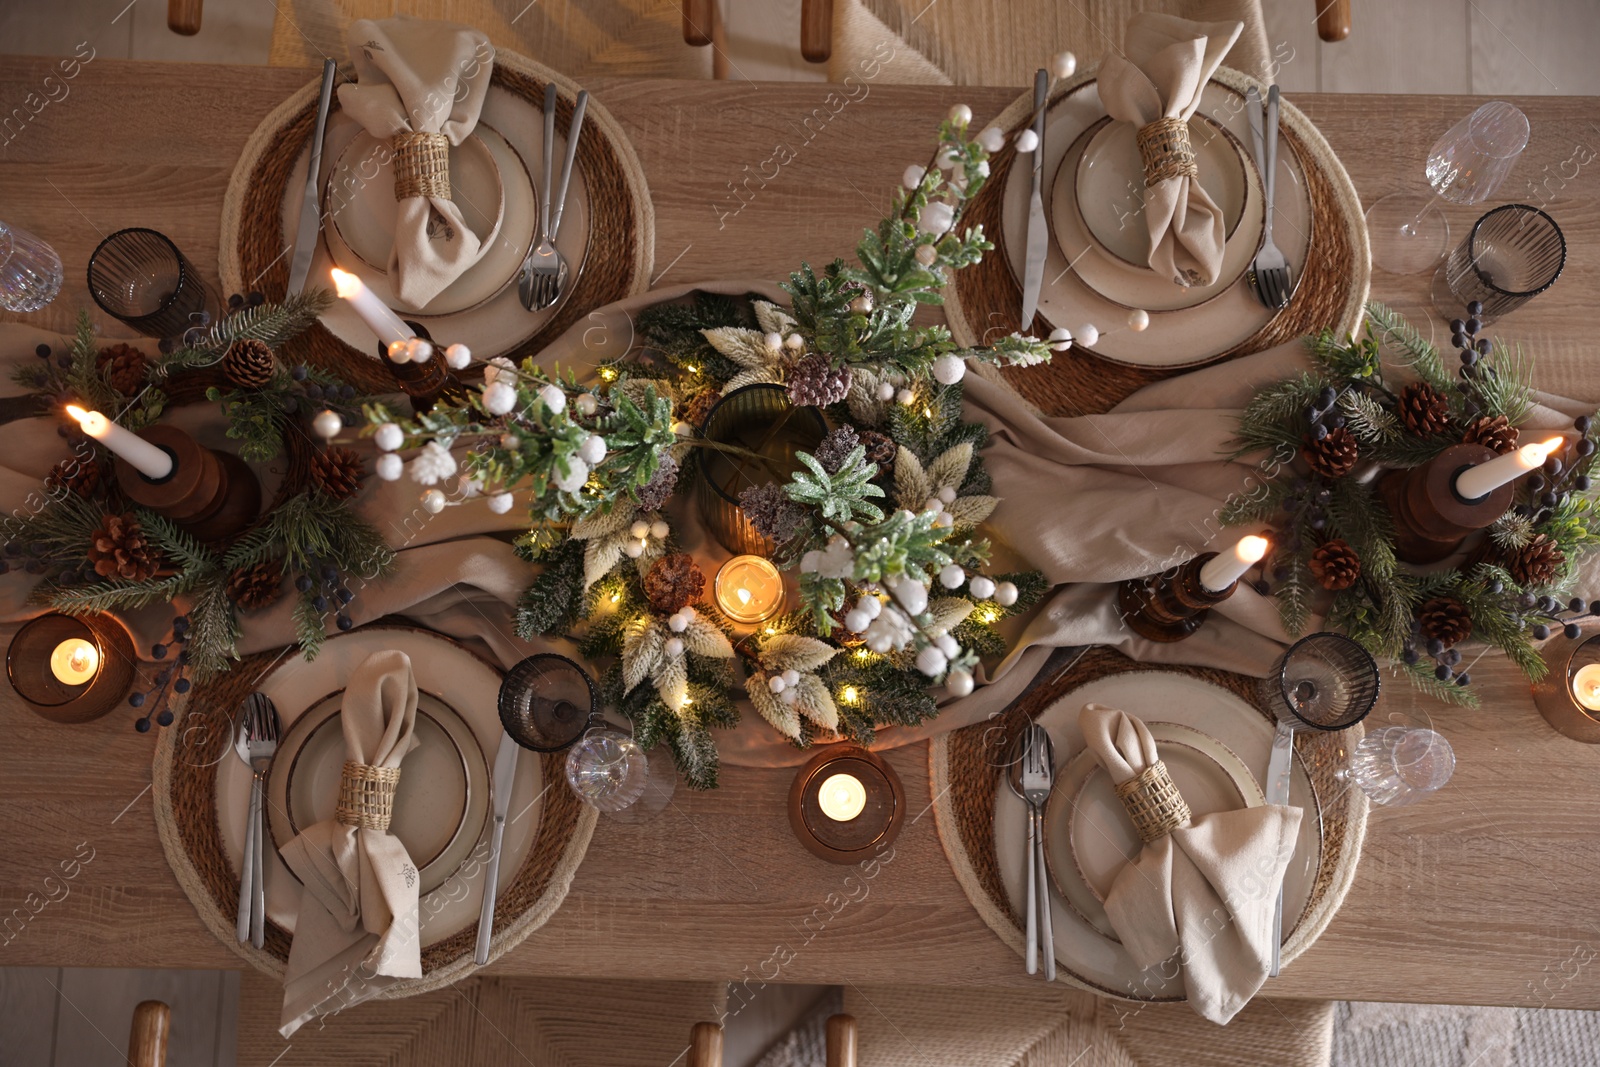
x=305 y=238
x=505 y=776
x=1038 y=232
x=1258 y=146
x=1277 y=790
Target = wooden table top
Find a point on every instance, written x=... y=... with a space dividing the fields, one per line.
x=1480 y=895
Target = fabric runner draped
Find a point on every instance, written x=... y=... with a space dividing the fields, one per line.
x=1089 y=500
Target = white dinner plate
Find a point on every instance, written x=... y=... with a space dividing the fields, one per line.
x=1110 y=189
x=1199 y=334
x=1165 y=696
x=440 y=802
x=500 y=323
x=1088 y=835
x=441 y=667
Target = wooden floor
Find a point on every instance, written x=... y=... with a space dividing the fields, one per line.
x=1496 y=47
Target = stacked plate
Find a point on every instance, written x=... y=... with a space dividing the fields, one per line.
x=1097 y=266
x=490 y=181
x=1214 y=744
x=443 y=799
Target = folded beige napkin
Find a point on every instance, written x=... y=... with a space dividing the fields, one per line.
x=1201 y=896
x=357 y=930
x=421 y=77
x=1167 y=62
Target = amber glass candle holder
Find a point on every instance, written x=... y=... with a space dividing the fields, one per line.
x=846 y=804
x=1569 y=695
x=49 y=654
x=757 y=419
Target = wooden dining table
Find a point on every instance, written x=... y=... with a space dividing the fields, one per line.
x=1481 y=894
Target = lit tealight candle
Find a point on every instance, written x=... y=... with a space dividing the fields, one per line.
x=1586 y=686
x=1228 y=567
x=1485 y=478
x=842 y=797
x=749 y=589
x=150 y=461
x=374 y=312
x=74 y=661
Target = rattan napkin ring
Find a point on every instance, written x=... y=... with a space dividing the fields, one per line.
x=1153 y=802
x=366 y=795
x=421 y=165
x=1165 y=150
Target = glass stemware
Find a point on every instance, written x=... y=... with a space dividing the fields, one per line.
x=1326 y=681
x=607 y=769
x=1408 y=231
x=546 y=702
x=30 y=270
x=1400 y=764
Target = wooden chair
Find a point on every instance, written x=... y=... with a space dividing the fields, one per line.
x=152 y=1024
x=705 y=1043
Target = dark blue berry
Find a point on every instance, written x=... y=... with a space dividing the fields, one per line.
x=1435 y=646
x=304 y=583
x=299 y=372
x=1473 y=325
x=1263 y=587
x=1463 y=679
x=344 y=595
x=1572 y=631
x=64 y=360
x=42 y=351
x=1442 y=673
x=330 y=573
x=320 y=603
x=1540 y=632
x=1584 y=447
x=347 y=392
x=1484 y=346
x=165 y=718
x=1328 y=395
x=136 y=699
x=163 y=677
x=158 y=651
x=181 y=685
x=142 y=725
x=1548 y=500
x=1410 y=655
x=314 y=391
x=1469 y=357
x=1319 y=432
x=180 y=624
x=183 y=658
x=236 y=300
x=1581 y=424
x=1475 y=307
x=1594 y=607
x=1528 y=600
x=1576 y=604
x=1497 y=588
x=1582 y=483
x=1535 y=483
x=1458 y=326
x=1553 y=465
x=1453 y=656
x=346 y=622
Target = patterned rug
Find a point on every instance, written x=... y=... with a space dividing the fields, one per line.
x=1440 y=1035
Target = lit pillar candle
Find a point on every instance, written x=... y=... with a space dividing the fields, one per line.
x=1485 y=478
x=842 y=797
x=374 y=312
x=74 y=661
x=147 y=459
x=1228 y=567
x=1586 y=686
x=749 y=589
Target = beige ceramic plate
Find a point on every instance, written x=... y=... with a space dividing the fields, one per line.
x=1088 y=836
x=362 y=246
x=440 y=666
x=439 y=805
x=1085 y=953
x=1195 y=336
x=1110 y=185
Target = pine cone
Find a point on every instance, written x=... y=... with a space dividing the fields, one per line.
x=814 y=382
x=1535 y=563
x=654 y=494
x=1445 y=619
x=1335 y=565
x=836 y=448
x=699 y=406
x=74 y=475
x=248 y=363
x=1424 y=409
x=771 y=512
x=1335 y=455
x=337 y=473
x=118 y=550
x=1496 y=433
x=673 y=582
x=123 y=366
x=881 y=450
x=253 y=588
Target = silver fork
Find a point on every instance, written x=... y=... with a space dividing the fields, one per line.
x=1038 y=775
x=1269 y=274
x=261 y=745
x=545 y=271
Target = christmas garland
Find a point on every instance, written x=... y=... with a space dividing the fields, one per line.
x=94 y=552
x=881 y=520
x=1334 y=553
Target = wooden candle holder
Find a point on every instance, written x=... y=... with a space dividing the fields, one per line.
x=1166 y=609
x=863 y=837
x=426 y=382
x=1430 y=518
x=211 y=494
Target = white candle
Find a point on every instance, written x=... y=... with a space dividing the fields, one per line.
x=374 y=312
x=74 y=661
x=1485 y=478
x=1586 y=686
x=146 y=458
x=842 y=797
x=1227 y=567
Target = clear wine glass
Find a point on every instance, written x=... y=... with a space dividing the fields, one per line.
x=607 y=769
x=1400 y=765
x=1408 y=232
x=30 y=270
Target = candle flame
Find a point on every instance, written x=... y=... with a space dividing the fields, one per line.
x=346 y=284
x=93 y=422
x=743 y=595
x=1253 y=549
x=1537 y=453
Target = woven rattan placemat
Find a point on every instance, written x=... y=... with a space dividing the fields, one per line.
x=622 y=222
x=964 y=766
x=184 y=786
x=1332 y=290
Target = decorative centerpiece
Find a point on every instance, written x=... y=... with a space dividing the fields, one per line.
x=141 y=514
x=1389 y=476
x=877 y=523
